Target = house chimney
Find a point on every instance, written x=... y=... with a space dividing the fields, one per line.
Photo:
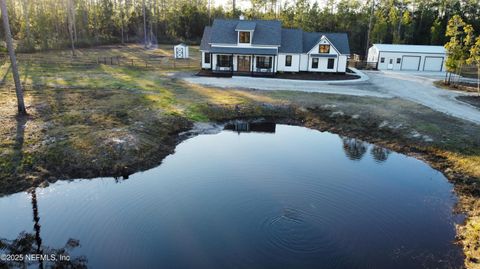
x=242 y=17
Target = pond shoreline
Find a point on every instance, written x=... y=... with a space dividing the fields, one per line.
x=141 y=156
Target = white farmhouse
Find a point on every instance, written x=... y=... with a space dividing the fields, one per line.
x=407 y=57
x=254 y=47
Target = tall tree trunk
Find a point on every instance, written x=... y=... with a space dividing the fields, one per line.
x=16 y=77
x=144 y=25
x=369 y=28
x=70 y=24
x=74 y=22
x=27 y=19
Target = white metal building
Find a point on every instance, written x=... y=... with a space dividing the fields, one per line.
x=407 y=57
x=180 y=51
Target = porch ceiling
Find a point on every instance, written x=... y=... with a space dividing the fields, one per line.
x=258 y=51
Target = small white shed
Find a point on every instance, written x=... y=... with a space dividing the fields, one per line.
x=180 y=51
x=407 y=57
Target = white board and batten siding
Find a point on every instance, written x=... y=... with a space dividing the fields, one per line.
x=302 y=62
x=205 y=64
x=407 y=57
x=282 y=62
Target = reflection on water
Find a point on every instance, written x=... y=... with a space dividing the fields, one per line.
x=291 y=198
x=354 y=148
x=31 y=244
x=379 y=154
x=247 y=127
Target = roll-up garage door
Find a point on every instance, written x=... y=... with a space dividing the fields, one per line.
x=433 y=63
x=410 y=62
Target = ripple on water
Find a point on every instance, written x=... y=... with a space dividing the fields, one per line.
x=297 y=231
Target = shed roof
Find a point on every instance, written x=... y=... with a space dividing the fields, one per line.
x=410 y=48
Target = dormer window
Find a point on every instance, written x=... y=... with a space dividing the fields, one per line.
x=324 y=49
x=244 y=37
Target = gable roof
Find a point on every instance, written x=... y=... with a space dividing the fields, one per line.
x=269 y=32
x=338 y=40
x=266 y=32
x=410 y=48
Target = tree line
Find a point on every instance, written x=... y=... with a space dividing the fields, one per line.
x=54 y=24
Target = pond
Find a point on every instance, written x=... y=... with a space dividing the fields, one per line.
x=252 y=196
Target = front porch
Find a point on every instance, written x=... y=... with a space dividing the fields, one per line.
x=243 y=64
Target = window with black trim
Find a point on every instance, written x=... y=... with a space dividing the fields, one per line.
x=314 y=62
x=324 y=48
x=399 y=60
x=382 y=60
x=224 y=60
x=244 y=37
x=264 y=62
x=331 y=63
x=207 y=58
x=288 y=60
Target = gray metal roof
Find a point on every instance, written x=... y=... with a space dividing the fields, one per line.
x=266 y=32
x=245 y=26
x=270 y=33
x=229 y=50
x=207 y=35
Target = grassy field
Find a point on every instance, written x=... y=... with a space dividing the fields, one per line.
x=89 y=119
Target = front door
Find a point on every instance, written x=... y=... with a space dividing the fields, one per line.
x=390 y=64
x=243 y=64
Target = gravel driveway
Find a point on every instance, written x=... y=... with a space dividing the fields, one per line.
x=413 y=86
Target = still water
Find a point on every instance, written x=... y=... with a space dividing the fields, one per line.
x=281 y=197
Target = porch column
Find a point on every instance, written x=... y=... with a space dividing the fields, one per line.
x=251 y=65
x=231 y=63
x=273 y=66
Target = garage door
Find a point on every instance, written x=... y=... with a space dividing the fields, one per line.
x=433 y=63
x=410 y=62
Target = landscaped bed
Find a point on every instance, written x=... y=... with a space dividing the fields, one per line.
x=284 y=75
x=472 y=100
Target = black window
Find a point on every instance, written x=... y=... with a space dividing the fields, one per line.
x=382 y=60
x=314 y=62
x=224 y=60
x=264 y=62
x=331 y=63
x=244 y=37
x=288 y=60
x=207 y=58
x=391 y=61
x=399 y=60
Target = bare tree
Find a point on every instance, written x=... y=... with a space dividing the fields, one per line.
x=16 y=77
